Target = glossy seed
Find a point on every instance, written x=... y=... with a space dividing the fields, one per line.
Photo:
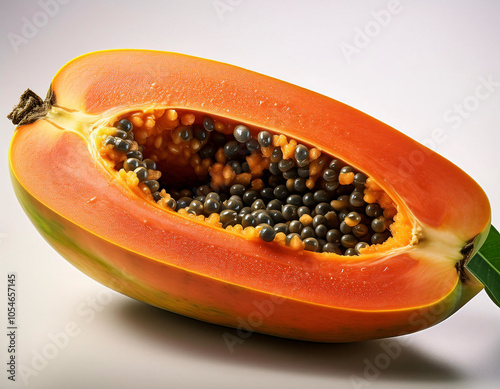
x=157 y=196
x=335 y=165
x=301 y=153
x=332 y=220
x=249 y=221
x=250 y=196
x=290 y=174
x=378 y=238
x=231 y=149
x=344 y=228
x=267 y=193
x=200 y=133
x=228 y=216
x=150 y=164
x=281 y=227
x=331 y=248
x=122 y=145
x=142 y=173
x=353 y=219
x=378 y=224
x=241 y=133
x=348 y=241
x=213 y=195
x=237 y=190
x=321 y=230
x=263 y=217
x=321 y=196
x=285 y=164
x=333 y=236
x=153 y=185
x=131 y=164
x=356 y=199
x=208 y=123
x=308 y=199
x=322 y=208
x=294 y=199
x=307 y=232
x=196 y=206
x=135 y=154
x=351 y=252
x=295 y=226
x=171 y=203
x=121 y=134
x=280 y=192
x=360 y=246
x=236 y=166
x=124 y=125
x=341 y=202
x=211 y=205
x=264 y=139
x=289 y=212
x=303 y=210
x=276 y=155
x=330 y=175
x=290 y=236
x=373 y=210
x=258 y=204
x=274 y=204
x=183 y=202
x=235 y=203
x=359 y=180
x=299 y=185
x=311 y=244
x=252 y=145
x=277 y=216
x=360 y=230
x=274 y=168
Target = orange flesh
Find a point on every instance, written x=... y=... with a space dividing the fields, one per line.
x=154 y=130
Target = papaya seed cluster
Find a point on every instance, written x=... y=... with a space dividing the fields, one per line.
x=249 y=181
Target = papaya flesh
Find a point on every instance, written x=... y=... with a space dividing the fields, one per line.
x=137 y=234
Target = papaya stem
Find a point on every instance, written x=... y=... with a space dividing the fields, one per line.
x=485 y=265
x=30 y=108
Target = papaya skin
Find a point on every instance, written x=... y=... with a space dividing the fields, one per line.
x=213 y=275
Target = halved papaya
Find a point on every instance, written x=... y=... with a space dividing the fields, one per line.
x=241 y=200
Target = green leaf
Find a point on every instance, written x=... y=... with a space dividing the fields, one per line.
x=485 y=265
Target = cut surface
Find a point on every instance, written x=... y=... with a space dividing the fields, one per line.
x=251 y=182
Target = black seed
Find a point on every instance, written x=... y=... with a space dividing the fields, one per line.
x=263 y=217
x=321 y=231
x=360 y=230
x=281 y=227
x=235 y=165
x=344 y=228
x=359 y=180
x=183 y=202
x=332 y=220
x=277 y=216
x=150 y=164
x=350 y=252
x=335 y=165
x=323 y=208
x=341 y=202
x=171 y=203
x=348 y=241
x=331 y=248
x=248 y=221
x=330 y=175
x=330 y=186
x=211 y=205
x=354 y=218
x=267 y=234
x=124 y=125
x=294 y=199
x=228 y=216
x=295 y=226
x=197 y=206
x=258 y=204
x=307 y=232
x=303 y=163
x=289 y=212
x=274 y=181
x=311 y=244
x=121 y=145
x=299 y=185
x=208 y=151
x=203 y=190
x=289 y=238
x=208 y=123
x=121 y=134
x=157 y=196
x=280 y=192
x=252 y=145
x=308 y=199
x=276 y=155
x=285 y=164
x=245 y=211
x=142 y=173
x=250 y=196
x=274 y=205
x=241 y=133
x=231 y=149
x=185 y=132
x=274 y=168
x=303 y=210
x=333 y=236
x=237 y=190
x=200 y=133
x=379 y=237
x=359 y=246
x=301 y=153
x=267 y=193
x=373 y=210
x=131 y=164
x=213 y=195
x=346 y=169
x=290 y=174
x=356 y=199
x=265 y=139
x=321 y=196
x=135 y=154
x=378 y=224
x=318 y=219
x=234 y=203
x=153 y=185
x=303 y=171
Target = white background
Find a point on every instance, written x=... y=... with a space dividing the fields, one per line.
x=416 y=68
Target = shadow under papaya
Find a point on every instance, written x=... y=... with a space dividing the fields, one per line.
x=368 y=360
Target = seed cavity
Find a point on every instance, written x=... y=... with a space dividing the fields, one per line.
x=249 y=181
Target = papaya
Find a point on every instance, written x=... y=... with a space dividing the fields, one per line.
x=237 y=199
